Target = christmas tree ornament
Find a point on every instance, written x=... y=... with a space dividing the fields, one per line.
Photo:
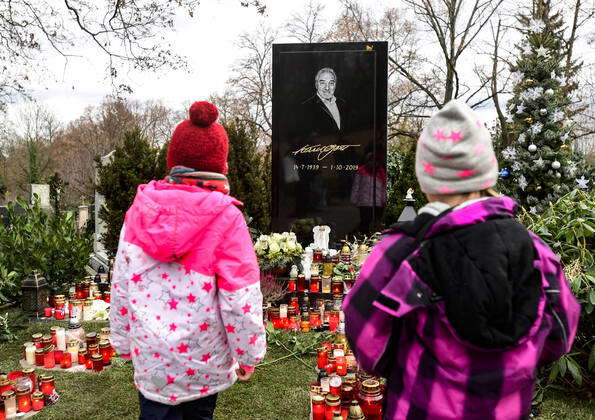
x=529 y=82
x=532 y=148
x=538 y=188
x=504 y=173
x=509 y=119
x=571 y=168
x=516 y=166
x=541 y=51
x=564 y=137
x=522 y=138
x=539 y=162
x=555 y=164
x=520 y=108
x=582 y=182
x=529 y=120
x=549 y=92
x=509 y=153
x=522 y=181
x=543 y=111
x=536 y=128
x=533 y=210
x=558 y=175
x=557 y=116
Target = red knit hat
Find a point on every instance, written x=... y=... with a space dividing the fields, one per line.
x=199 y=142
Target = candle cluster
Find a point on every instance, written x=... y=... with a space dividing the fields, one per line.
x=79 y=304
x=316 y=295
x=67 y=348
x=341 y=390
x=22 y=391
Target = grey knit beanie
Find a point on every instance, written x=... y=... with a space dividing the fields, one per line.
x=454 y=153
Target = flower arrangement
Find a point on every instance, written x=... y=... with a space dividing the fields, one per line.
x=278 y=250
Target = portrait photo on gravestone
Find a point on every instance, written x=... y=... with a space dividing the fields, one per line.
x=329 y=136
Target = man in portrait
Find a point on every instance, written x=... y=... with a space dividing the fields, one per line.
x=324 y=114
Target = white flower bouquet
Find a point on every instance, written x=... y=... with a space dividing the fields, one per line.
x=278 y=250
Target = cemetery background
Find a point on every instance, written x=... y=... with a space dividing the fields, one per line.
x=68 y=156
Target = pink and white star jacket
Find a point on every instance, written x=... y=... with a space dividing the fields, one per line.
x=186 y=300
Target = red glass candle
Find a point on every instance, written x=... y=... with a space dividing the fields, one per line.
x=330 y=367
x=335 y=384
x=301 y=283
x=88 y=361
x=328 y=345
x=37 y=340
x=317 y=256
x=341 y=365
x=291 y=285
x=322 y=358
x=371 y=400
x=82 y=357
x=333 y=405
x=337 y=286
x=106 y=352
x=59 y=311
x=318 y=407
x=30 y=372
x=315 y=321
x=86 y=290
x=23 y=400
x=37 y=400
x=333 y=322
x=39 y=357
x=48 y=358
x=58 y=356
x=106 y=297
x=66 y=361
x=97 y=362
x=295 y=304
x=5 y=385
x=14 y=375
x=47 y=384
x=314 y=284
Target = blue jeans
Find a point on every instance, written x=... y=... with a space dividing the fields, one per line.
x=200 y=409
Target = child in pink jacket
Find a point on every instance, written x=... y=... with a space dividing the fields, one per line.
x=186 y=300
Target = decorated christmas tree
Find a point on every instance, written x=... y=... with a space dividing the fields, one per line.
x=538 y=163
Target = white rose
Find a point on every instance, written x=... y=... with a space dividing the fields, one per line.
x=292 y=235
x=285 y=235
x=277 y=237
x=264 y=238
x=274 y=248
x=291 y=245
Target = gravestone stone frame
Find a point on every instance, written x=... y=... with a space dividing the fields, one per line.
x=329 y=115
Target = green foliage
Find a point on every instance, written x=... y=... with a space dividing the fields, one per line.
x=401 y=176
x=57 y=186
x=36 y=241
x=10 y=324
x=540 y=112
x=161 y=166
x=134 y=163
x=568 y=227
x=248 y=174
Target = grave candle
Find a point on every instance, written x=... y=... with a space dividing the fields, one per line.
x=88 y=361
x=48 y=312
x=73 y=350
x=82 y=356
x=322 y=358
x=301 y=283
x=61 y=339
x=39 y=357
x=105 y=349
x=97 y=362
x=48 y=357
x=107 y=297
x=333 y=405
x=341 y=365
x=66 y=361
x=318 y=407
x=5 y=385
x=58 y=354
x=30 y=372
x=371 y=399
x=23 y=400
x=37 y=400
x=335 y=385
x=37 y=340
x=30 y=354
x=25 y=345
x=314 y=284
x=10 y=404
x=47 y=384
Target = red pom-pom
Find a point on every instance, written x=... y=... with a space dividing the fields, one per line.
x=203 y=113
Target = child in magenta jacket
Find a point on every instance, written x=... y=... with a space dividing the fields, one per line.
x=458 y=308
x=186 y=300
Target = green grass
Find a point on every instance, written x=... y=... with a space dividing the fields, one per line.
x=277 y=391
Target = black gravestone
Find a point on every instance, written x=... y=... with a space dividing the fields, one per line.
x=329 y=135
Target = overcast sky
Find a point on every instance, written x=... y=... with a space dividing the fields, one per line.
x=207 y=40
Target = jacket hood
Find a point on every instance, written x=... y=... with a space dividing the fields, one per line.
x=166 y=220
